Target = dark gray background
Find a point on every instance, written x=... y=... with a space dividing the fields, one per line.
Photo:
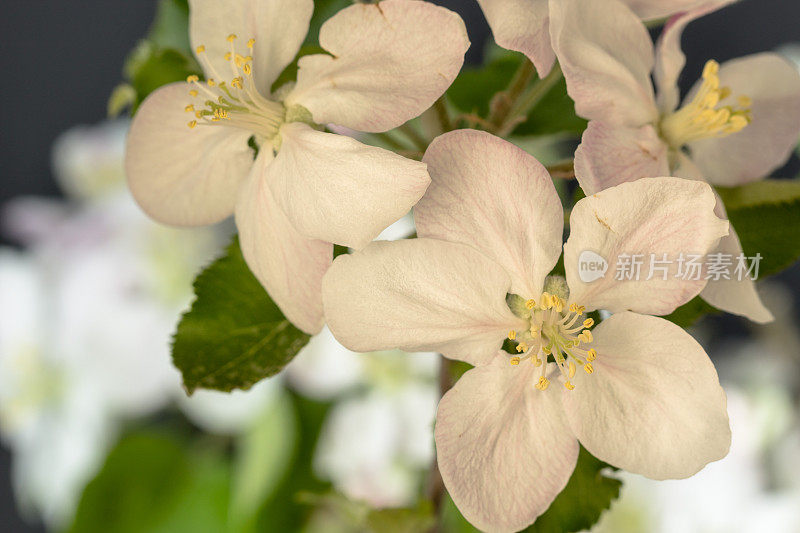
x=60 y=59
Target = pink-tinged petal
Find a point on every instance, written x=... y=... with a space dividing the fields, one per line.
x=606 y=55
x=609 y=155
x=767 y=142
x=289 y=265
x=504 y=448
x=737 y=296
x=656 y=9
x=670 y=59
x=278 y=27
x=657 y=216
x=183 y=176
x=522 y=26
x=388 y=63
x=419 y=295
x=337 y=189
x=653 y=405
x=495 y=197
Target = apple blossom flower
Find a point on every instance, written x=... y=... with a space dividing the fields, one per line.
x=524 y=25
x=189 y=160
x=638 y=391
x=738 y=124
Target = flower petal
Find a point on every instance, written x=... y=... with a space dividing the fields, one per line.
x=670 y=59
x=522 y=26
x=737 y=296
x=289 y=265
x=657 y=216
x=767 y=142
x=493 y=196
x=339 y=190
x=388 y=63
x=606 y=55
x=656 y=9
x=653 y=405
x=183 y=176
x=419 y=295
x=504 y=448
x=609 y=155
x=278 y=27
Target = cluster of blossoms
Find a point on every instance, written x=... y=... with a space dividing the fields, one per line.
x=635 y=390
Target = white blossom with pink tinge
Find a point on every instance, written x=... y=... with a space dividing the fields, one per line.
x=638 y=391
x=189 y=161
x=739 y=123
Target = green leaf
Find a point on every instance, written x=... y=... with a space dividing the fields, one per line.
x=263 y=458
x=588 y=493
x=555 y=113
x=156 y=482
x=401 y=520
x=170 y=27
x=290 y=72
x=234 y=335
x=689 y=313
x=149 y=67
x=474 y=88
x=766 y=215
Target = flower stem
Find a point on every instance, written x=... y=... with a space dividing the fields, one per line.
x=529 y=100
x=503 y=102
x=414 y=136
x=435 y=487
x=440 y=106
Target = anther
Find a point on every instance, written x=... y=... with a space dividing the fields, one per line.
x=522 y=347
x=194 y=78
x=569 y=386
x=588 y=368
x=232 y=37
x=192 y=124
x=250 y=43
x=189 y=108
x=193 y=93
x=530 y=304
x=588 y=323
x=512 y=335
x=200 y=49
x=591 y=355
x=543 y=383
x=515 y=360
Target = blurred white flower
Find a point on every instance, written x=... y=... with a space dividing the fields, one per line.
x=87 y=313
x=223 y=413
x=378 y=439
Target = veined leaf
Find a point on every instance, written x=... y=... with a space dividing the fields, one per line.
x=234 y=335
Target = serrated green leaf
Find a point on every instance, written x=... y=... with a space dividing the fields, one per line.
x=766 y=216
x=158 y=483
x=234 y=335
x=588 y=493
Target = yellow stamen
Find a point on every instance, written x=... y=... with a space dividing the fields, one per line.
x=250 y=43
x=530 y=304
x=543 y=383
x=591 y=355
x=189 y=108
x=702 y=117
x=192 y=79
x=192 y=124
x=515 y=360
x=588 y=368
x=512 y=335
x=588 y=323
x=200 y=49
x=193 y=93
x=569 y=386
x=522 y=347
x=572 y=369
x=232 y=37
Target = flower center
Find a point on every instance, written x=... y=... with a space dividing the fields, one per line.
x=554 y=331
x=236 y=102
x=704 y=117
